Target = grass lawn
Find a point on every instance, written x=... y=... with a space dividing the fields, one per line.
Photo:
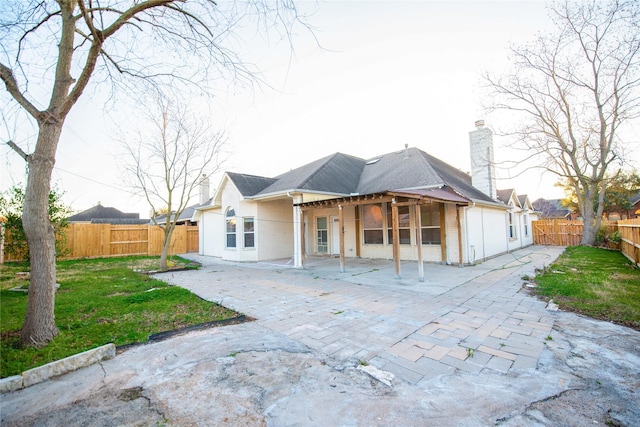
x=99 y=301
x=595 y=282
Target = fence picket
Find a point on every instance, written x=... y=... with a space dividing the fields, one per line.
x=107 y=240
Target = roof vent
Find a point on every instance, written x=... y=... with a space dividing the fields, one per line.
x=374 y=161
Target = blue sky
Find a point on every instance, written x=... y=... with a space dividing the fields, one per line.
x=386 y=74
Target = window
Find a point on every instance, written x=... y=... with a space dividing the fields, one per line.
x=525 y=219
x=321 y=233
x=512 y=227
x=404 y=224
x=249 y=232
x=231 y=228
x=372 y=224
x=430 y=219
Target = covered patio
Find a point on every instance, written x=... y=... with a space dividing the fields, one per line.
x=411 y=200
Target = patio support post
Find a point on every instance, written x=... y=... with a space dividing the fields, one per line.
x=341 y=225
x=395 y=232
x=298 y=237
x=459 y=234
x=302 y=242
x=418 y=223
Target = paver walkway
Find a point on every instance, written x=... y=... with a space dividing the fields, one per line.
x=467 y=318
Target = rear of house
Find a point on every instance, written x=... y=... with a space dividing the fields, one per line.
x=402 y=205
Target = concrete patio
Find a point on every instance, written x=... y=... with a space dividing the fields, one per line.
x=466 y=347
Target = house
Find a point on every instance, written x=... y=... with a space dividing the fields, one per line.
x=404 y=205
x=621 y=214
x=553 y=209
x=106 y=215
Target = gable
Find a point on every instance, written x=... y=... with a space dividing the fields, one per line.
x=337 y=174
x=249 y=185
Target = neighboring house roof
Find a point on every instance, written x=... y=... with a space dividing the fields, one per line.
x=119 y=221
x=345 y=175
x=186 y=215
x=551 y=208
x=102 y=212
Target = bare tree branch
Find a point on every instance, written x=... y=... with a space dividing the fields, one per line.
x=572 y=92
x=18 y=150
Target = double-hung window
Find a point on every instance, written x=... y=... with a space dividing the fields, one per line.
x=512 y=226
x=249 y=232
x=231 y=227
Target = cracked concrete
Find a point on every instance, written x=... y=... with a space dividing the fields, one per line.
x=300 y=363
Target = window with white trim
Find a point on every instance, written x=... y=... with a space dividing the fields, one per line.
x=512 y=226
x=231 y=227
x=322 y=234
x=249 y=232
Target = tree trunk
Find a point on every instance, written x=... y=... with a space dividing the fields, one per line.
x=165 y=246
x=588 y=218
x=39 y=325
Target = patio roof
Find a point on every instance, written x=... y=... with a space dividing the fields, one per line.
x=422 y=194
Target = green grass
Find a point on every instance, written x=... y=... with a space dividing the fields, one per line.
x=99 y=301
x=595 y=282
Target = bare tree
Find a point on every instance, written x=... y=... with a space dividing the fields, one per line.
x=571 y=94
x=167 y=163
x=52 y=49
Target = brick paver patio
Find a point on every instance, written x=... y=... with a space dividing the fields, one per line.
x=466 y=318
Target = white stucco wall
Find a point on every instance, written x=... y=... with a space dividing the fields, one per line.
x=274 y=230
x=486 y=233
x=211 y=233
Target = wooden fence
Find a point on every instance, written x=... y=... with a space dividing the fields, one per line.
x=630 y=239
x=569 y=233
x=106 y=240
x=557 y=232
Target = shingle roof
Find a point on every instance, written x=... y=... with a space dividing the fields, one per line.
x=249 y=185
x=523 y=200
x=185 y=215
x=456 y=179
x=338 y=173
x=100 y=211
x=342 y=174
x=505 y=195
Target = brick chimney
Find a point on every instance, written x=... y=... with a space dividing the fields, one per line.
x=483 y=173
x=204 y=189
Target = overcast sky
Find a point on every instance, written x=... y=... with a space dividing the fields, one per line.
x=386 y=73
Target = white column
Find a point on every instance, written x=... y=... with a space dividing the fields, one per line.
x=297 y=238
